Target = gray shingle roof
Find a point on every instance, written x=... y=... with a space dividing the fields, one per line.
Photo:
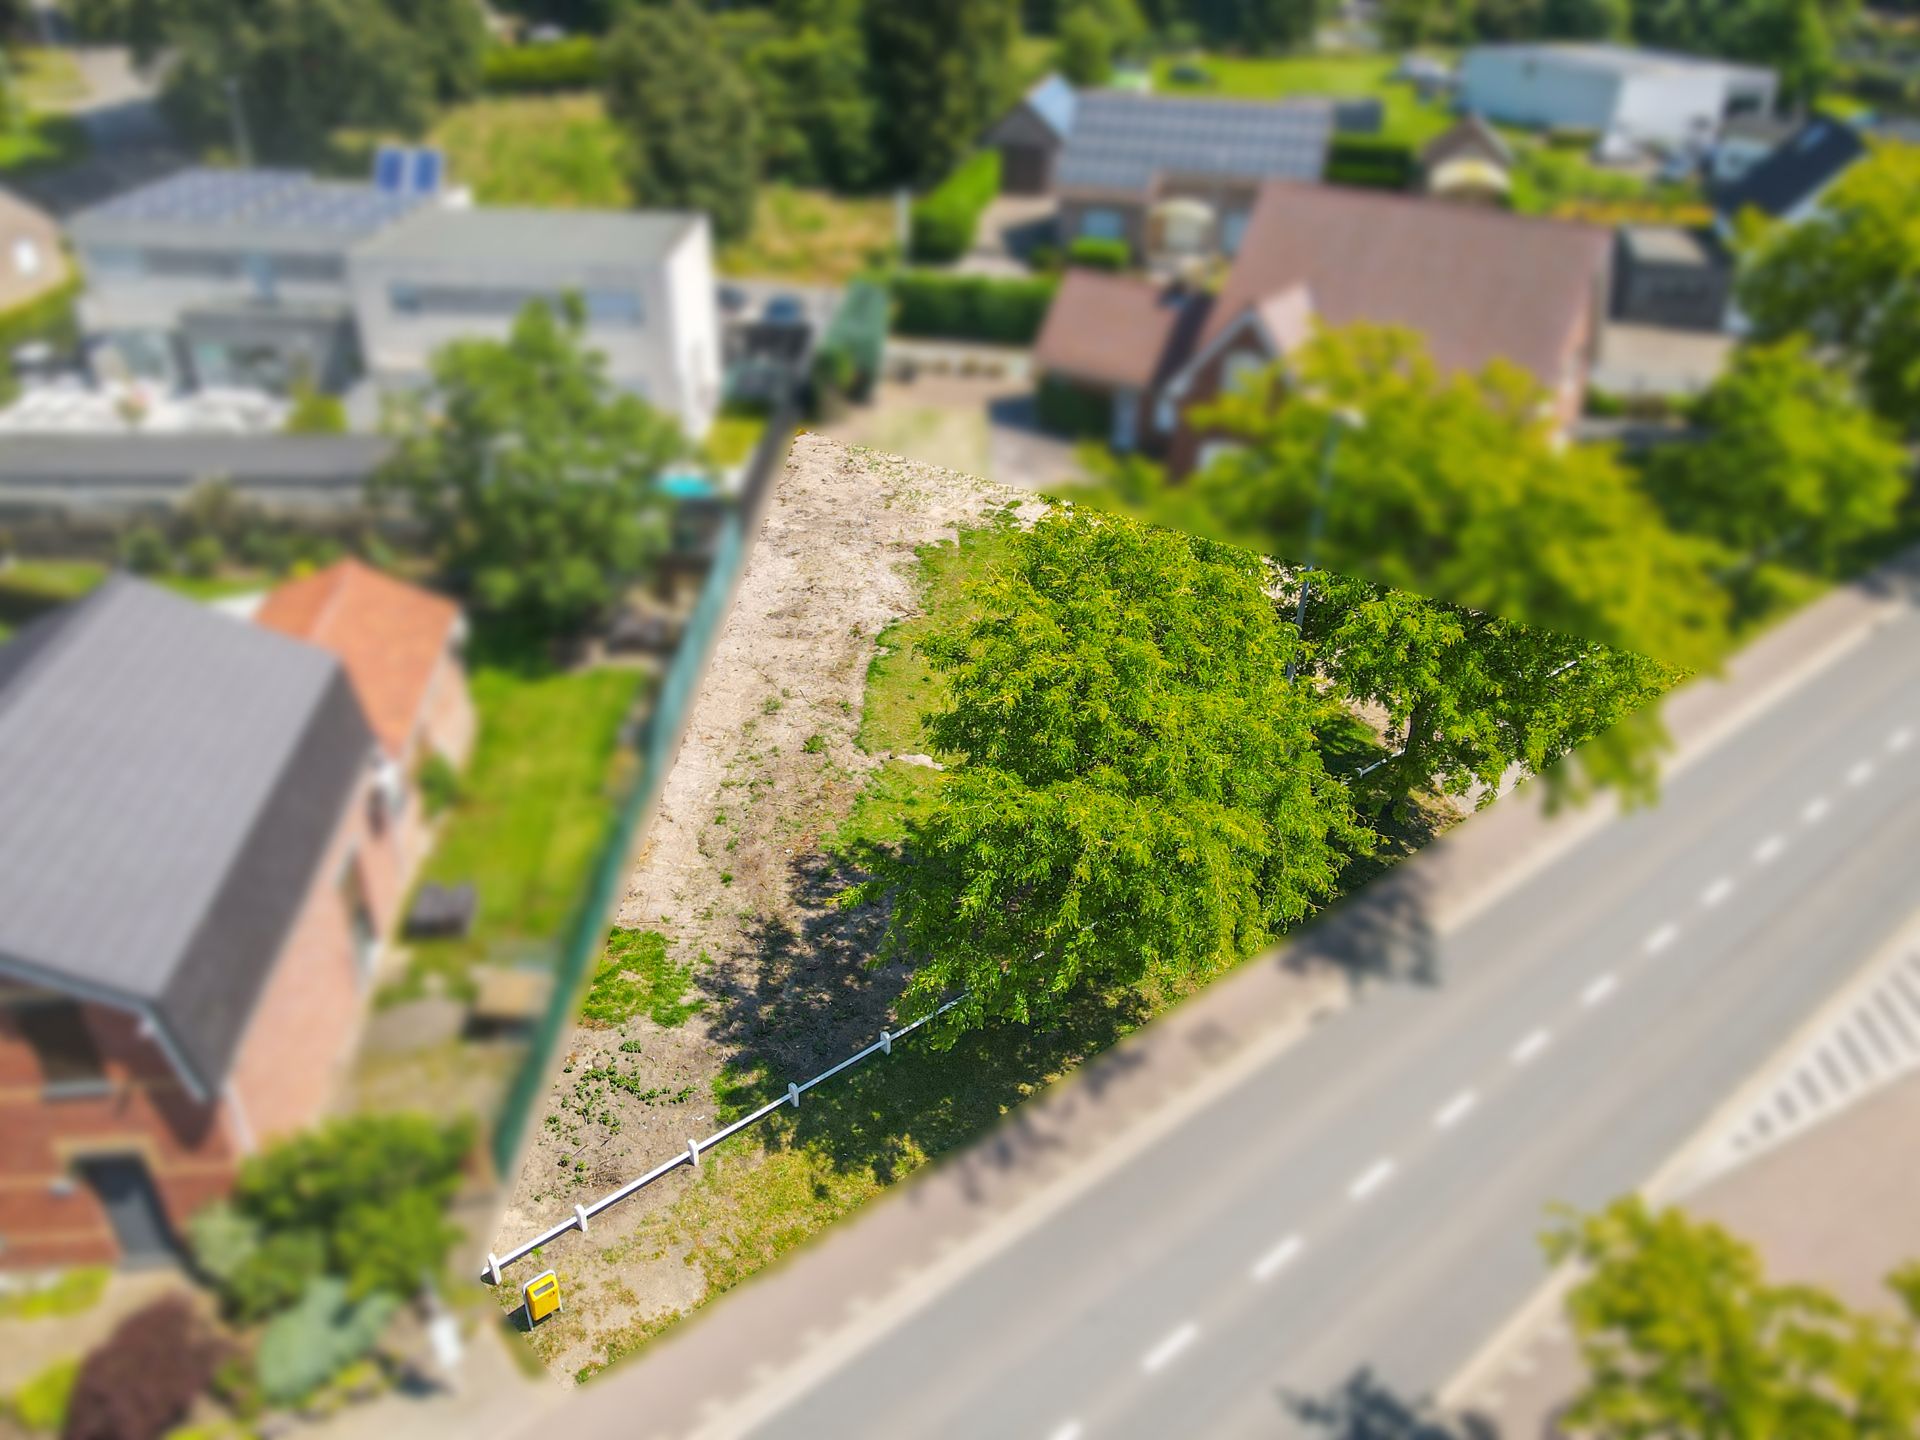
x=1122 y=141
x=1798 y=167
x=173 y=778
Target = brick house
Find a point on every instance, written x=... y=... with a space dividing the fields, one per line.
x=1477 y=284
x=201 y=849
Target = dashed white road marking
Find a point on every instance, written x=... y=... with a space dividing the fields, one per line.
x=1371 y=1179
x=1600 y=989
x=1861 y=772
x=1816 y=810
x=1768 y=850
x=1531 y=1046
x=1071 y=1430
x=1278 y=1258
x=1899 y=740
x=1719 y=890
x=1161 y=1354
x=1662 y=938
x=1455 y=1110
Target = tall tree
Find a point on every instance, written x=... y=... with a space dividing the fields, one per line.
x=1849 y=278
x=1684 y=1338
x=1587 y=19
x=817 y=119
x=1792 y=464
x=686 y=113
x=534 y=477
x=940 y=76
x=1135 y=794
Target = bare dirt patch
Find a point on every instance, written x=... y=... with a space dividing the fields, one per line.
x=732 y=875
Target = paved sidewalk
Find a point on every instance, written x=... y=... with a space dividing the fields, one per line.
x=794 y=1321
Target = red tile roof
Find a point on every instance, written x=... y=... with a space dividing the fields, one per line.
x=1479 y=284
x=389 y=636
x=1108 y=329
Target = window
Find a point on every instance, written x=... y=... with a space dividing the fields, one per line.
x=474 y=301
x=1102 y=223
x=57 y=1032
x=308 y=269
x=26 y=257
x=1241 y=367
x=613 y=307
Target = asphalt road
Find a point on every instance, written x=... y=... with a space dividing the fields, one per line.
x=1367 y=1205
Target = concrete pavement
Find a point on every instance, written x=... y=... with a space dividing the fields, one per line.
x=1365 y=1202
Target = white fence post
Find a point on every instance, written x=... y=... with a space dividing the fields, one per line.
x=580 y=1217
x=793 y=1095
x=886 y=1042
x=693 y=1153
x=493 y=1266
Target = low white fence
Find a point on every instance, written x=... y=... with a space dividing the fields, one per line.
x=490 y=1272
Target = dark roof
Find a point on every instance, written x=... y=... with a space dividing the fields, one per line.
x=1054 y=101
x=1125 y=142
x=237 y=207
x=1116 y=329
x=85 y=465
x=1477 y=283
x=1799 y=167
x=173 y=778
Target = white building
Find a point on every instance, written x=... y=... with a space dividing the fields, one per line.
x=1622 y=94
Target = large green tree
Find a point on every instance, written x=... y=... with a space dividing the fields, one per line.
x=1135 y=794
x=817 y=115
x=533 y=476
x=1849 y=278
x=1792 y=465
x=1685 y=1338
x=297 y=70
x=686 y=113
x=940 y=76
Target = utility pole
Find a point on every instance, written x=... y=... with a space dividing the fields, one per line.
x=242 y=147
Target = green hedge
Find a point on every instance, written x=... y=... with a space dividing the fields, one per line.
x=50 y=318
x=572 y=64
x=1094 y=253
x=1068 y=409
x=971 y=307
x=1371 y=161
x=943 y=220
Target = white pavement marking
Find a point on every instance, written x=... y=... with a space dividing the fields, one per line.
x=1661 y=938
x=1768 y=850
x=1165 y=1351
x=1899 y=740
x=1531 y=1046
x=1455 y=1110
x=1371 y=1179
x=1276 y=1259
x=1860 y=773
x=1816 y=810
x=1600 y=989
x=1716 y=892
x=1070 y=1431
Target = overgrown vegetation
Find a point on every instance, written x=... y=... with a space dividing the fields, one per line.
x=637 y=977
x=943 y=220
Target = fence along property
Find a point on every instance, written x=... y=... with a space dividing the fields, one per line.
x=490 y=1272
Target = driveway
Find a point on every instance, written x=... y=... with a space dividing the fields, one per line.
x=981 y=425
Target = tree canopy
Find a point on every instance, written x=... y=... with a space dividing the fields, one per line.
x=532 y=475
x=939 y=77
x=687 y=115
x=1136 y=795
x=1849 y=278
x=1684 y=1338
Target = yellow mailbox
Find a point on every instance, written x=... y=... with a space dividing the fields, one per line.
x=541 y=1296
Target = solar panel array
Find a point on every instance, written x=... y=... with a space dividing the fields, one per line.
x=260 y=200
x=1121 y=141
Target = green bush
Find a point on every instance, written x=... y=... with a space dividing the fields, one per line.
x=202 y=557
x=1069 y=409
x=942 y=222
x=143 y=550
x=439 y=784
x=314 y=412
x=327 y=1331
x=41 y=1403
x=52 y=318
x=1371 y=161
x=971 y=307
x=1093 y=252
x=572 y=64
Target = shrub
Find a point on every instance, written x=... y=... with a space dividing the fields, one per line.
x=971 y=307
x=942 y=221
x=41 y=1403
x=1097 y=253
x=143 y=550
x=314 y=412
x=264 y=549
x=139 y=1384
x=572 y=64
x=327 y=1331
x=1069 y=409
x=202 y=556
x=1371 y=161
x=439 y=783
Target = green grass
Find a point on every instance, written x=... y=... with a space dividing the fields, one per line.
x=734 y=436
x=1342 y=77
x=75 y=1292
x=60 y=580
x=533 y=809
x=544 y=150
x=635 y=977
x=44 y=137
x=41 y=1404
x=812 y=237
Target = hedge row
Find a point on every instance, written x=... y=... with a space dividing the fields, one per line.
x=1091 y=252
x=971 y=307
x=943 y=220
x=1371 y=161
x=572 y=64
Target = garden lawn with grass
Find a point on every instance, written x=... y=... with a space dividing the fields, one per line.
x=1341 y=77
x=532 y=811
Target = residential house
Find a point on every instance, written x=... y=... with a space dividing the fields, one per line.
x=1176 y=178
x=1468 y=162
x=1744 y=142
x=1789 y=183
x=1623 y=94
x=1478 y=284
x=190 y=863
x=264 y=279
x=1031 y=135
x=31 y=259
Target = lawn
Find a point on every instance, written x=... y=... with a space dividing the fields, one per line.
x=532 y=812
x=812 y=237
x=733 y=437
x=46 y=80
x=1341 y=77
